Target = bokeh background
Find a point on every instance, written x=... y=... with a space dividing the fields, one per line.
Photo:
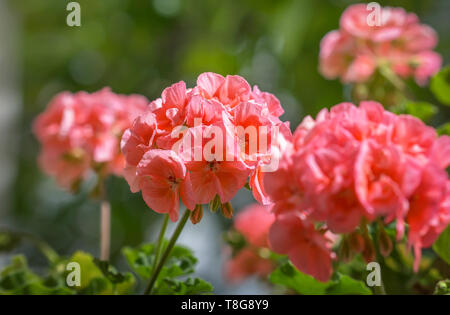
x=143 y=46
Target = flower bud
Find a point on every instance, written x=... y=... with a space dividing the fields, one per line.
x=214 y=204
x=356 y=242
x=384 y=241
x=227 y=210
x=369 y=250
x=197 y=214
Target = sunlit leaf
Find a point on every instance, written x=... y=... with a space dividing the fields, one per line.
x=288 y=276
x=440 y=85
x=442 y=245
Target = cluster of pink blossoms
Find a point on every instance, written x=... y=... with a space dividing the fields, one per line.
x=188 y=144
x=364 y=43
x=253 y=223
x=80 y=132
x=353 y=165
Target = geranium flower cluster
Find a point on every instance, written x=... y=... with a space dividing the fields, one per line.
x=351 y=166
x=369 y=39
x=253 y=223
x=199 y=143
x=81 y=132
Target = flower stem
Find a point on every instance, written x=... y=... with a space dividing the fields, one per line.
x=160 y=241
x=388 y=74
x=167 y=251
x=379 y=290
x=105 y=229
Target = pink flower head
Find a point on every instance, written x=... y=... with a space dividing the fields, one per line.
x=369 y=38
x=202 y=127
x=361 y=162
x=82 y=131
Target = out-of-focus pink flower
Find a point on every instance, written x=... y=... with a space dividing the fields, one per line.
x=353 y=163
x=82 y=131
x=308 y=249
x=367 y=40
x=336 y=54
x=253 y=222
x=247 y=263
x=356 y=21
x=428 y=63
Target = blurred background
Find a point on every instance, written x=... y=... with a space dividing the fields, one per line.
x=143 y=46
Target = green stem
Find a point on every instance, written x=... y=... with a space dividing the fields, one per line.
x=379 y=290
x=48 y=252
x=167 y=251
x=160 y=241
x=393 y=78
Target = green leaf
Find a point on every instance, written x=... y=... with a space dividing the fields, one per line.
x=422 y=110
x=110 y=272
x=99 y=277
x=8 y=241
x=88 y=268
x=442 y=287
x=181 y=261
x=287 y=275
x=440 y=85
x=347 y=285
x=444 y=129
x=190 y=286
x=17 y=278
x=442 y=245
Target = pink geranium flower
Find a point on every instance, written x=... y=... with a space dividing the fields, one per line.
x=364 y=43
x=201 y=126
x=356 y=164
x=219 y=170
x=163 y=180
x=79 y=132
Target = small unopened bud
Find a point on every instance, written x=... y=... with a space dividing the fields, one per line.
x=197 y=214
x=356 y=242
x=369 y=250
x=227 y=210
x=215 y=204
x=384 y=242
